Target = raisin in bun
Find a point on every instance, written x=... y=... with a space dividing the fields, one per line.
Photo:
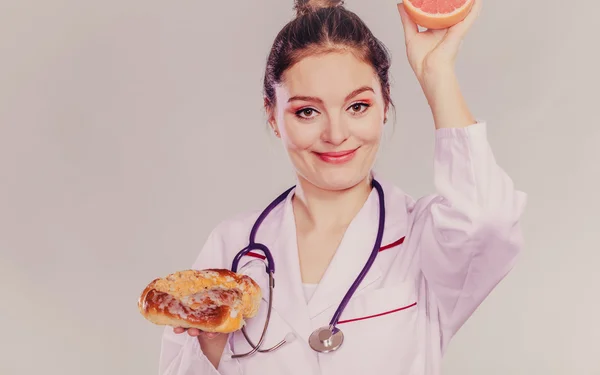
x=212 y=300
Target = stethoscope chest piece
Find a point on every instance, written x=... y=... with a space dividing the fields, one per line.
x=325 y=340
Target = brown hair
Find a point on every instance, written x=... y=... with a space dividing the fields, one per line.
x=322 y=26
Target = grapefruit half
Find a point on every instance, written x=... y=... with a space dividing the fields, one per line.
x=437 y=14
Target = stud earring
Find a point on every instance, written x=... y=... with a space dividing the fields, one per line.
x=276 y=133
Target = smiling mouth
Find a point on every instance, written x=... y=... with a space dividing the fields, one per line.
x=338 y=157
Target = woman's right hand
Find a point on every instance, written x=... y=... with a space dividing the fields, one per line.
x=212 y=344
x=195 y=332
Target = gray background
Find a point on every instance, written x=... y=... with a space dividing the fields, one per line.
x=128 y=129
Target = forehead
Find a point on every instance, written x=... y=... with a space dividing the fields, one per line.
x=330 y=75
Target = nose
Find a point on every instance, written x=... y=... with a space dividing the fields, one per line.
x=336 y=131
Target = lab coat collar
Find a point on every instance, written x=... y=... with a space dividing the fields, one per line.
x=348 y=261
x=288 y=296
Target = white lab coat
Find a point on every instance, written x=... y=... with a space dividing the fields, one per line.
x=442 y=255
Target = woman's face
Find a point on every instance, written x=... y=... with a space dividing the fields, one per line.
x=329 y=115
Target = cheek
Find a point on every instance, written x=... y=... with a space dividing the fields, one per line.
x=300 y=137
x=368 y=134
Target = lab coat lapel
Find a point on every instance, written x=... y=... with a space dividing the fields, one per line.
x=288 y=296
x=350 y=258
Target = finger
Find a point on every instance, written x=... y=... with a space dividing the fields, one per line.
x=438 y=34
x=410 y=27
x=460 y=29
x=456 y=34
x=179 y=330
x=194 y=332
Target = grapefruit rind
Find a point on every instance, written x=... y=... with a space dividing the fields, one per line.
x=436 y=21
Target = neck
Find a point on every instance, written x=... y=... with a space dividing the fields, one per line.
x=327 y=209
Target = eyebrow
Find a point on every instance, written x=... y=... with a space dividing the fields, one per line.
x=318 y=100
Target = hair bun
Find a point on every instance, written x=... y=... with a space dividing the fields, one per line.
x=303 y=7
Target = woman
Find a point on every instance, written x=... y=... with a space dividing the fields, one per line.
x=327 y=96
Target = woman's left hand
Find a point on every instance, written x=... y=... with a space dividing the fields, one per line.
x=432 y=53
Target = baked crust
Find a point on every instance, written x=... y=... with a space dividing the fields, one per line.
x=212 y=300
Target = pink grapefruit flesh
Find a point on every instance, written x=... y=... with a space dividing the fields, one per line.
x=437 y=14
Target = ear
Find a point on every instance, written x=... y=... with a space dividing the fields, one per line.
x=386 y=113
x=270 y=111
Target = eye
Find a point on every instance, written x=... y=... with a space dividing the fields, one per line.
x=358 y=108
x=306 y=113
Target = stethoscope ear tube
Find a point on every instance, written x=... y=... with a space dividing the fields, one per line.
x=256 y=347
x=252 y=244
x=367 y=267
x=237 y=258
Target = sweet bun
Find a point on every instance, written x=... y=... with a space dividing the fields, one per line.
x=212 y=300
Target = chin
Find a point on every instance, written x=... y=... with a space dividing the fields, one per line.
x=338 y=182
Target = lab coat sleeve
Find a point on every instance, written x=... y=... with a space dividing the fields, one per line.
x=471 y=234
x=181 y=354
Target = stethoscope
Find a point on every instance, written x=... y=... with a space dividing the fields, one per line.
x=325 y=339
